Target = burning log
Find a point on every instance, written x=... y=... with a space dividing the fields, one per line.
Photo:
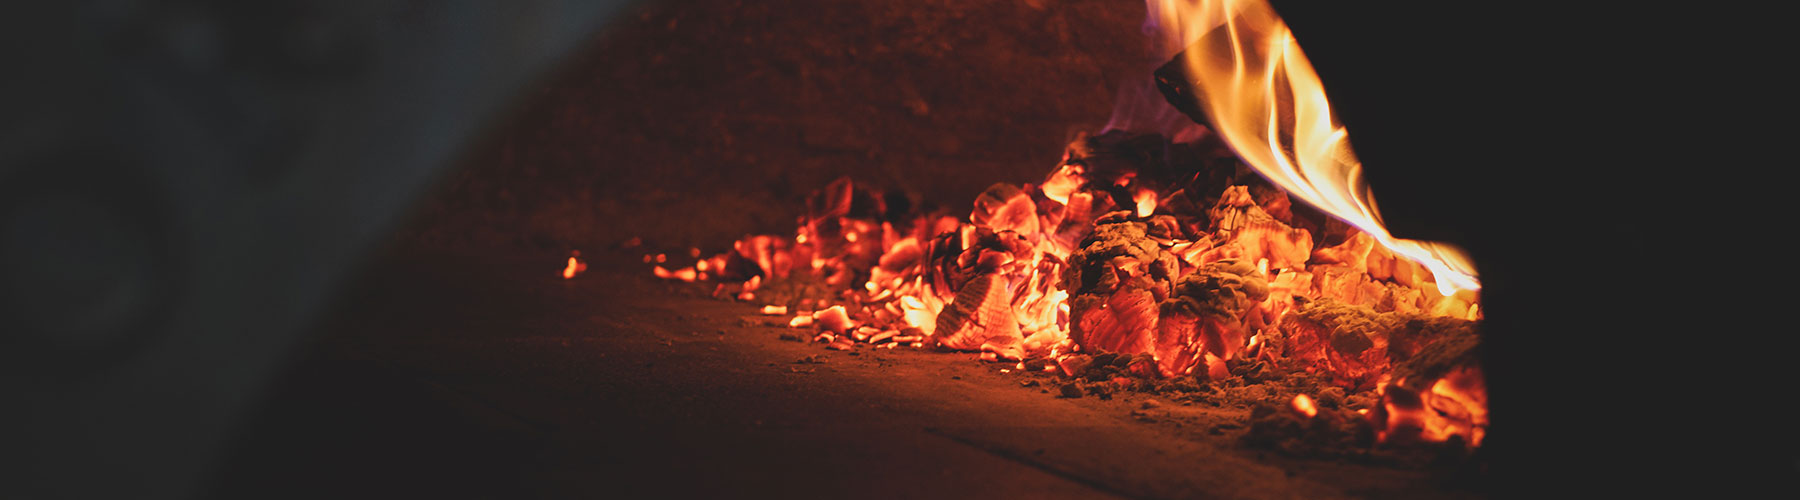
x=1247 y=232
x=987 y=311
x=1076 y=219
x=1119 y=170
x=833 y=319
x=1124 y=321
x=1115 y=281
x=1437 y=395
x=1413 y=337
x=1206 y=315
x=1004 y=207
x=943 y=275
x=1360 y=272
x=1353 y=253
x=1123 y=300
x=1345 y=341
x=905 y=255
x=981 y=318
x=1171 y=281
x=1356 y=345
x=1113 y=156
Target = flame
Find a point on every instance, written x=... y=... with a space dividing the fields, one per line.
x=1263 y=98
x=1146 y=202
x=993 y=282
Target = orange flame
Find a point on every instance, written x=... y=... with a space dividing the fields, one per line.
x=1146 y=202
x=1263 y=98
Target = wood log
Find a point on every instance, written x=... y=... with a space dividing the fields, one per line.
x=1206 y=314
x=1347 y=342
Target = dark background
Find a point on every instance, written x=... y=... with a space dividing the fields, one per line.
x=1589 y=158
x=695 y=123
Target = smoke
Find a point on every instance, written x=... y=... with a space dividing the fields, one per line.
x=1140 y=108
x=1169 y=27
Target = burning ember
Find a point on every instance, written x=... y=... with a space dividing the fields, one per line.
x=576 y=266
x=1157 y=255
x=1305 y=406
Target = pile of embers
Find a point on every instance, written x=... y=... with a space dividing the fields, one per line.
x=1137 y=264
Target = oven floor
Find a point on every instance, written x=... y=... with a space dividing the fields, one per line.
x=490 y=376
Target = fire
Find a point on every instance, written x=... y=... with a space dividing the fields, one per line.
x=1146 y=202
x=1261 y=95
x=1155 y=264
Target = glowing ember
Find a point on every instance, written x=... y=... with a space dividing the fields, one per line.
x=1141 y=257
x=576 y=266
x=1454 y=406
x=833 y=319
x=683 y=274
x=1304 y=405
